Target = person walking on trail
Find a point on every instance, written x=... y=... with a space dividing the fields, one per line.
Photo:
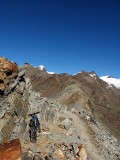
x=34 y=127
x=36 y=123
x=32 y=131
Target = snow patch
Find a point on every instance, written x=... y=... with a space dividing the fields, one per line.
x=93 y=75
x=76 y=73
x=111 y=80
x=50 y=72
x=41 y=67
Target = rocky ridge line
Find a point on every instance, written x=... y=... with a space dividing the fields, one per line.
x=65 y=124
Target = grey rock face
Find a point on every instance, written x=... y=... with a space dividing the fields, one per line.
x=14 y=108
x=2 y=113
x=34 y=149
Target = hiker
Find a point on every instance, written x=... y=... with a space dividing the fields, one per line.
x=32 y=131
x=36 y=122
x=34 y=127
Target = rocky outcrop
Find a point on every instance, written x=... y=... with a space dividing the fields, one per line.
x=14 y=110
x=13 y=106
x=69 y=109
x=11 y=150
x=7 y=69
x=2 y=76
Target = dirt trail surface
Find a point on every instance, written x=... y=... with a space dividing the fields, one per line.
x=83 y=131
x=60 y=135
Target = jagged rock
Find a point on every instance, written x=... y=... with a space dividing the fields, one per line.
x=34 y=149
x=27 y=156
x=75 y=148
x=67 y=123
x=6 y=66
x=60 y=154
x=73 y=139
x=21 y=73
x=37 y=157
x=82 y=154
x=2 y=75
x=2 y=113
x=20 y=87
x=11 y=150
x=14 y=84
x=2 y=87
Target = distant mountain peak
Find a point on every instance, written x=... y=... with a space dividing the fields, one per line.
x=110 y=77
x=93 y=74
x=42 y=68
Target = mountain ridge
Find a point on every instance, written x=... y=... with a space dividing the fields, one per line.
x=72 y=109
x=109 y=79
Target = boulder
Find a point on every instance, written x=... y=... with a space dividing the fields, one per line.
x=11 y=150
x=6 y=66
x=60 y=154
x=2 y=76
x=82 y=154
x=7 y=69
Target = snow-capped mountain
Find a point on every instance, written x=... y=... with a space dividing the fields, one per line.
x=41 y=67
x=110 y=80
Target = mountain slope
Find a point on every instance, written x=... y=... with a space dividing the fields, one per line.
x=72 y=110
x=84 y=89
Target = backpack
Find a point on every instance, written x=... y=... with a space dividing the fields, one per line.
x=35 y=120
x=31 y=123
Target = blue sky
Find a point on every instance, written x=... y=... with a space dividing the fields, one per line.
x=66 y=36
